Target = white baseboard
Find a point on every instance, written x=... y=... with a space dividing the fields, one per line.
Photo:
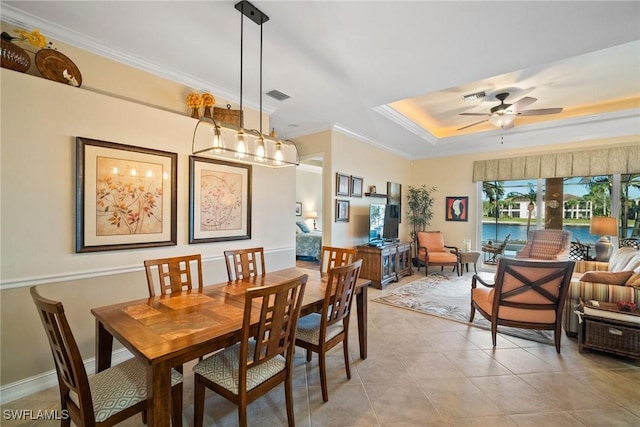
x=28 y=386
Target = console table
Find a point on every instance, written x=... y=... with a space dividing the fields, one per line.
x=384 y=264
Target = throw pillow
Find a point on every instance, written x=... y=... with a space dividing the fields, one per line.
x=634 y=281
x=607 y=277
x=303 y=227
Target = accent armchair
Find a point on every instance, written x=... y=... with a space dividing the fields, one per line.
x=433 y=251
x=525 y=294
x=546 y=245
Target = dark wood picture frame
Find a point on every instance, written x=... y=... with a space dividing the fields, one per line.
x=356 y=186
x=343 y=183
x=126 y=196
x=342 y=210
x=210 y=221
x=394 y=197
x=457 y=208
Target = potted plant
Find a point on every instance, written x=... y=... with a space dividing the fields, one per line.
x=419 y=211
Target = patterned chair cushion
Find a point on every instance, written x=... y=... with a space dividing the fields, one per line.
x=119 y=388
x=223 y=368
x=309 y=329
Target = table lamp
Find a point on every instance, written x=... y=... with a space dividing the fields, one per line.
x=314 y=217
x=603 y=226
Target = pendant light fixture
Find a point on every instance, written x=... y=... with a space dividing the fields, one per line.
x=235 y=143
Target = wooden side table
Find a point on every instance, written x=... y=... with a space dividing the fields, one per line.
x=467 y=257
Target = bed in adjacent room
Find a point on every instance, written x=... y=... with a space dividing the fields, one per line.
x=308 y=242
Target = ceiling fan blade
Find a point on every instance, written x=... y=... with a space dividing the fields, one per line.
x=540 y=112
x=473 y=124
x=521 y=104
x=474 y=114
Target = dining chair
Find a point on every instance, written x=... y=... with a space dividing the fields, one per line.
x=320 y=332
x=331 y=257
x=264 y=356
x=106 y=398
x=244 y=263
x=174 y=274
x=528 y=294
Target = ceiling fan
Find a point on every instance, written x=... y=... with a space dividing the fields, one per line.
x=503 y=115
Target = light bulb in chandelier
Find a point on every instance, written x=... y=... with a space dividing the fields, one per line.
x=241 y=146
x=279 y=156
x=260 y=151
x=216 y=141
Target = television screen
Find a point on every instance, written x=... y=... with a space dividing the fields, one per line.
x=391 y=222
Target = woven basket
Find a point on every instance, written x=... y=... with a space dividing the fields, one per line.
x=227 y=115
x=14 y=57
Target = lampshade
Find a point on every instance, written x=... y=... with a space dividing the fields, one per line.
x=228 y=142
x=502 y=120
x=604 y=226
x=312 y=215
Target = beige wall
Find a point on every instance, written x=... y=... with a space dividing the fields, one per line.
x=309 y=193
x=40 y=120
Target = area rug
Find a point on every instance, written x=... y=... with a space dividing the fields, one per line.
x=448 y=296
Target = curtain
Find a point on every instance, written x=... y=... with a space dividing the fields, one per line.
x=605 y=161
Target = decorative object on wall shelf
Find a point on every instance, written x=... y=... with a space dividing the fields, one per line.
x=208 y=101
x=217 y=138
x=342 y=184
x=342 y=210
x=194 y=101
x=219 y=200
x=228 y=115
x=356 y=186
x=457 y=208
x=55 y=66
x=126 y=196
x=372 y=189
x=13 y=56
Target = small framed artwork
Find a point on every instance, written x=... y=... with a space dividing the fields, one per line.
x=394 y=197
x=356 y=186
x=298 y=209
x=219 y=200
x=342 y=184
x=457 y=208
x=126 y=196
x=342 y=210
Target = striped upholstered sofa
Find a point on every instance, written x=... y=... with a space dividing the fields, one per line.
x=617 y=280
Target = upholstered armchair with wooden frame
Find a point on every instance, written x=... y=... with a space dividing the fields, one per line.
x=106 y=398
x=331 y=257
x=320 y=332
x=526 y=294
x=546 y=245
x=264 y=356
x=433 y=251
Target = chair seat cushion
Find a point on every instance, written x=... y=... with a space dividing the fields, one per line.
x=309 y=329
x=119 y=387
x=483 y=297
x=222 y=368
x=441 y=258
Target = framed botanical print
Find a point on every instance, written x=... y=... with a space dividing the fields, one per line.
x=342 y=184
x=125 y=196
x=356 y=186
x=457 y=208
x=219 y=200
x=342 y=211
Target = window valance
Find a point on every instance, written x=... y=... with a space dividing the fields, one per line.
x=604 y=161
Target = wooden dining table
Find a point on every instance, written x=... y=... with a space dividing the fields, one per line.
x=166 y=331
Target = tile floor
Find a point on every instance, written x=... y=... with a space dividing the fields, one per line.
x=427 y=371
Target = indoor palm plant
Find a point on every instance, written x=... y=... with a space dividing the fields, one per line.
x=419 y=210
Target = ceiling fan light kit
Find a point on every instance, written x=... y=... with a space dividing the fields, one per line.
x=503 y=115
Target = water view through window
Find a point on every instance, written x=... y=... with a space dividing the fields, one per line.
x=515 y=207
